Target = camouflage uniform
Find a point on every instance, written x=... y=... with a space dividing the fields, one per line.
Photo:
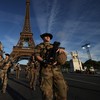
x=18 y=69
x=34 y=74
x=52 y=80
x=28 y=71
x=3 y=73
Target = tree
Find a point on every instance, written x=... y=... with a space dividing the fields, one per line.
x=92 y=63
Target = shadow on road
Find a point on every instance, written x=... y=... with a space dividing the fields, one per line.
x=19 y=82
x=14 y=94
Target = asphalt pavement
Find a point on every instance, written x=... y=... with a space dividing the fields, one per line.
x=81 y=87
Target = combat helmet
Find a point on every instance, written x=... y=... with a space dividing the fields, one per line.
x=61 y=58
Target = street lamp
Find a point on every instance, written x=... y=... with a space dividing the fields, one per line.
x=87 y=46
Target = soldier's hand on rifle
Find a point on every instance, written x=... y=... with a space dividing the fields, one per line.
x=44 y=62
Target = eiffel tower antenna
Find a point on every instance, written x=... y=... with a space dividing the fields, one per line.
x=27 y=27
x=25 y=45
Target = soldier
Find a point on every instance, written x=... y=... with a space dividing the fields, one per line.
x=27 y=70
x=18 y=69
x=1 y=71
x=33 y=73
x=1 y=60
x=5 y=66
x=52 y=79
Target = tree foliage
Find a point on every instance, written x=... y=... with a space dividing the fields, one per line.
x=93 y=63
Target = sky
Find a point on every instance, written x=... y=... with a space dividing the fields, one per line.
x=74 y=23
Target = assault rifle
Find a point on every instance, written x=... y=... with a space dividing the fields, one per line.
x=51 y=54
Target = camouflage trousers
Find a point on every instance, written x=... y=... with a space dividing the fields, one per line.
x=4 y=79
x=28 y=72
x=17 y=74
x=53 y=84
x=33 y=79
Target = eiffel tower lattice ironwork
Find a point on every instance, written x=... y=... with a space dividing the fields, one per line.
x=25 y=45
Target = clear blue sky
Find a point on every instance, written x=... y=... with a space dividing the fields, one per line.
x=72 y=22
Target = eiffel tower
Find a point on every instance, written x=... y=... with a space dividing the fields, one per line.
x=25 y=45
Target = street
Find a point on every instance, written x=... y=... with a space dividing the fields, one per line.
x=81 y=87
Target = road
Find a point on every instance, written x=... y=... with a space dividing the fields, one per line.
x=81 y=87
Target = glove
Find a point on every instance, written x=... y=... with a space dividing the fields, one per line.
x=44 y=62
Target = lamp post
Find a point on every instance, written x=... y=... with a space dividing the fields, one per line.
x=87 y=46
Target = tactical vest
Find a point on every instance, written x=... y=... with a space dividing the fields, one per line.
x=44 y=48
x=60 y=57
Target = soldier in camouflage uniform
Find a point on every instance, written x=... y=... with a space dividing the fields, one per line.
x=18 y=70
x=52 y=80
x=28 y=71
x=34 y=72
x=3 y=73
